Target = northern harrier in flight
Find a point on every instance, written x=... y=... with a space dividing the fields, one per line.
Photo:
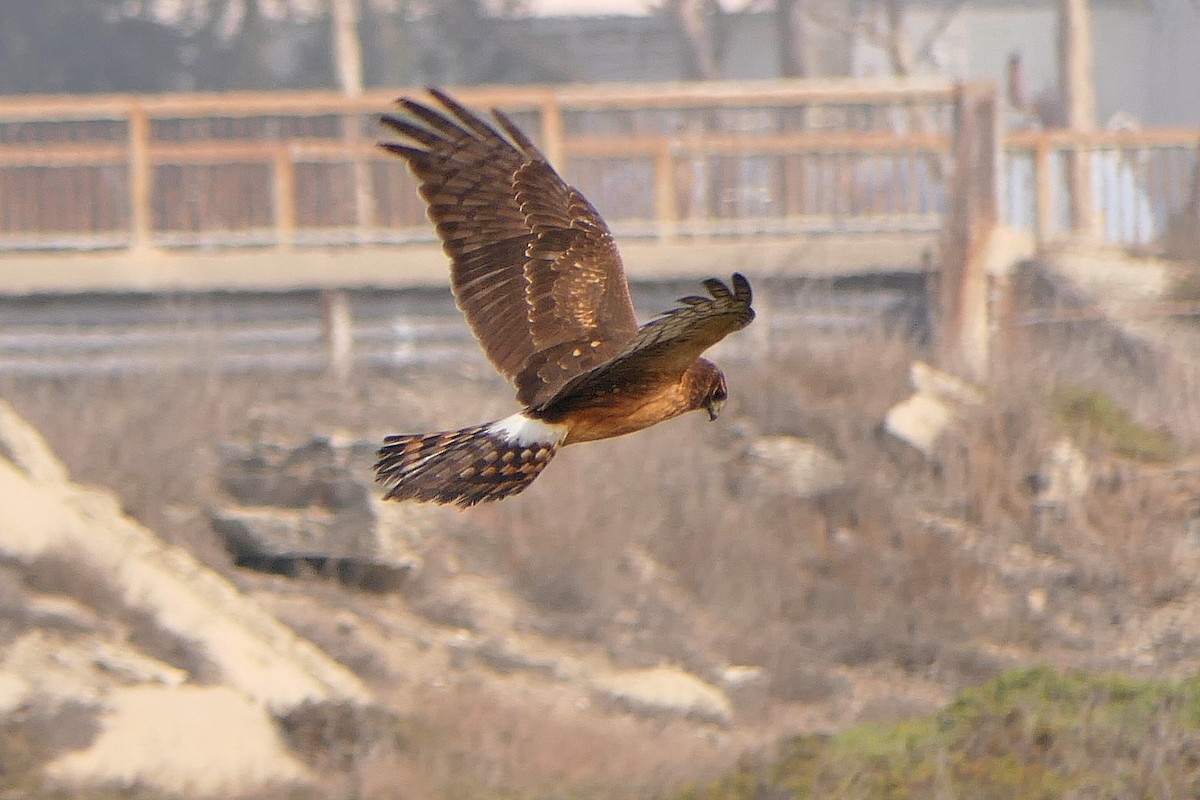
x=536 y=272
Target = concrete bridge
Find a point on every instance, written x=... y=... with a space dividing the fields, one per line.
x=424 y=265
x=287 y=191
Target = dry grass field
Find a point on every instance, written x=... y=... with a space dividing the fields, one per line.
x=916 y=578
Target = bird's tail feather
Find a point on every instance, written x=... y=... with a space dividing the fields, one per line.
x=467 y=466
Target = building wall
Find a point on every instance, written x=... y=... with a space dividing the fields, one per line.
x=1173 y=66
x=1147 y=54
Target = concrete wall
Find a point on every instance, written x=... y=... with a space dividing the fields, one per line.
x=1147 y=54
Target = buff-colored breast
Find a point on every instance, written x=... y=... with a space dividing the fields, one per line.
x=623 y=414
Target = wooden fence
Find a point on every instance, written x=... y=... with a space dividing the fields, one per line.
x=302 y=168
x=661 y=161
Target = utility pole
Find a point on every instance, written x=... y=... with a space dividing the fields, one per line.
x=1078 y=81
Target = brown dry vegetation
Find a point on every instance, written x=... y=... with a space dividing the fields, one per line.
x=918 y=572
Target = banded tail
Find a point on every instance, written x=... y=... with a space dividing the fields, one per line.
x=470 y=465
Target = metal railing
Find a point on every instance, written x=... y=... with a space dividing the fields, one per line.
x=286 y=169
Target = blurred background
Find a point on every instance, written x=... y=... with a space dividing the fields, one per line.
x=942 y=542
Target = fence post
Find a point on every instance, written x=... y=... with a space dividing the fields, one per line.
x=337 y=331
x=1041 y=177
x=666 y=211
x=284 y=187
x=364 y=193
x=964 y=331
x=1084 y=218
x=552 y=130
x=1078 y=84
x=140 y=188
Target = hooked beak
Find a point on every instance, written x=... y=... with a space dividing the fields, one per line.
x=714 y=409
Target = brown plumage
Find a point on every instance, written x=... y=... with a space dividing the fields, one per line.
x=537 y=274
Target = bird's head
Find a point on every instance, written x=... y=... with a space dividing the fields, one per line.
x=707 y=388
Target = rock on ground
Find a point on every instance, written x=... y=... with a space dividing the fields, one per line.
x=794 y=465
x=257 y=654
x=314 y=506
x=664 y=692
x=78 y=667
x=938 y=400
x=205 y=740
x=156 y=729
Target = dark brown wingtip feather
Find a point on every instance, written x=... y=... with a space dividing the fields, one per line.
x=741 y=288
x=438 y=122
x=402 y=150
x=411 y=130
x=433 y=129
x=717 y=288
x=464 y=115
x=442 y=96
x=516 y=134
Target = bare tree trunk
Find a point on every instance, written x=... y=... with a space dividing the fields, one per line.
x=695 y=22
x=899 y=46
x=347 y=51
x=903 y=62
x=790 y=25
x=1077 y=77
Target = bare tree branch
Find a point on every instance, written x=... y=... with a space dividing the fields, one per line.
x=864 y=27
x=899 y=48
x=925 y=51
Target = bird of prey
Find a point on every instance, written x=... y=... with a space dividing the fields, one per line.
x=537 y=274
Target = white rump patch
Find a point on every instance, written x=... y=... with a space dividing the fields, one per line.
x=525 y=430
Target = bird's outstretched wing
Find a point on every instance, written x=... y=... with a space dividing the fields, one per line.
x=533 y=266
x=669 y=344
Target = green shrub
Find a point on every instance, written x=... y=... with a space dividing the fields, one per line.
x=1090 y=415
x=1030 y=733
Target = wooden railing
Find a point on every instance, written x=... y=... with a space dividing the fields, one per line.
x=302 y=168
x=660 y=161
x=1143 y=181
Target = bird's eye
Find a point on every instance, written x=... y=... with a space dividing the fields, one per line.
x=719 y=393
